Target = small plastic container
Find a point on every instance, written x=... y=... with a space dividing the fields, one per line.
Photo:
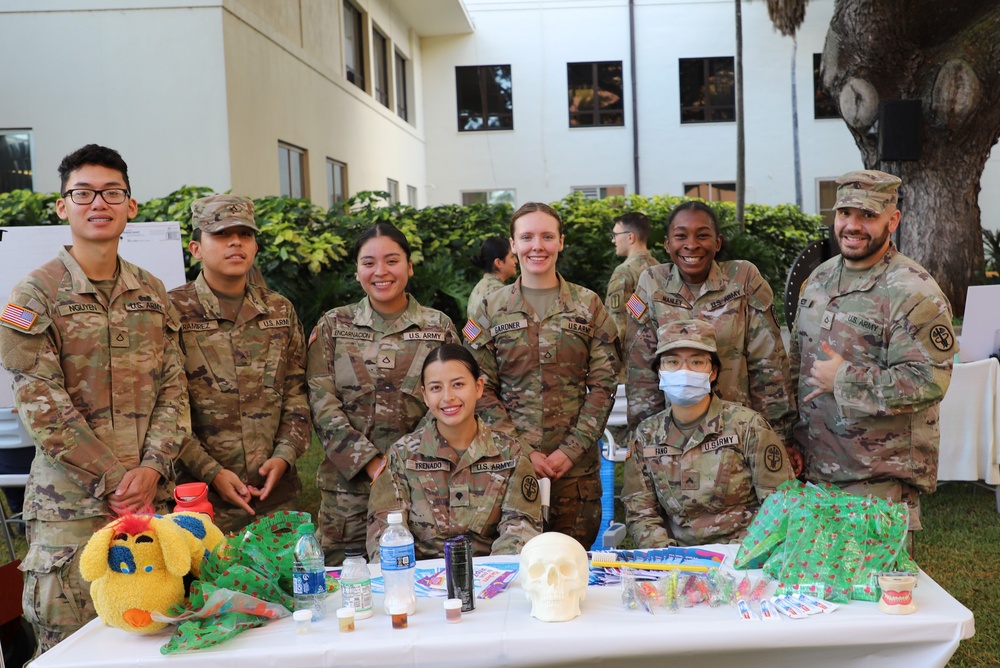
x=303 y=620
x=345 y=619
x=453 y=610
x=398 y=613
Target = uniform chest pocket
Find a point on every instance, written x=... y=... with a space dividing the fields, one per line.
x=354 y=368
x=487 y=492
x=571 y=341
x=276 y=358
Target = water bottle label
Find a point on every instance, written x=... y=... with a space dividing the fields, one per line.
x=309 y=583
x=358 y=596
x=397 y=557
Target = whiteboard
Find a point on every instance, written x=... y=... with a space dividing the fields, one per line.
x=981 y=327
x=156 y=247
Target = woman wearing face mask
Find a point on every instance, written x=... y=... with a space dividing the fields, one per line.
x=454 y=475
x=499 y=264
x=735 y=299
x=698 y=470
x=364 y=386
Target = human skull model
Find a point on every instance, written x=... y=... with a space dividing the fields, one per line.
x=554 y=575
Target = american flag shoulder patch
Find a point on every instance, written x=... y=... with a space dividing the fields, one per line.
x=313 y=335
x=472 y=330
x=18 y=316
x=635 y=306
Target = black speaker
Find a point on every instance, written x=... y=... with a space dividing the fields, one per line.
x=899 y=130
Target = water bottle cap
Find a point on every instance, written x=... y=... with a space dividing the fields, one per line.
x=308 y=527
x=395 y=518
x=354 y=552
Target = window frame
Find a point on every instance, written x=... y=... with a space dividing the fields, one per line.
x=600 y=192
x=380 y=68
x=333 y=167
x=355 y=17
x=597 y=112
x=709 y=109
x=714 y=187
x=411 y=196
x=492 y=196
x=484 y=97
x=392 y=187
x=402 y=89
x=17 y=177
x=286 y=173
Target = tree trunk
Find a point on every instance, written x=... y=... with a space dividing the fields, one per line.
x=944 y=54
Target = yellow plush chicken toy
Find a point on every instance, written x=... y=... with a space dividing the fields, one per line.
x=137 y=563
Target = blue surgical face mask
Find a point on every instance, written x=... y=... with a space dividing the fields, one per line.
x=685 y=387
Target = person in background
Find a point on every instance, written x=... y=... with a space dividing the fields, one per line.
x=363 y=375
x=871 y=354
x=90 y=341
x=245 y=358
x=629 y=236
x=548 y=353
x=699 y=469
x=499 y=264
x=735 y=299
x=454 y=475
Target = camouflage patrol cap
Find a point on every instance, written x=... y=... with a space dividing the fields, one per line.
x=696 y=334
x=218 y=212
x=867 y=189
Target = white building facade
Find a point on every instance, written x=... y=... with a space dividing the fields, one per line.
x=436 y=101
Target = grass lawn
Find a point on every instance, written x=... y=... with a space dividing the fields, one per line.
x=959 y=547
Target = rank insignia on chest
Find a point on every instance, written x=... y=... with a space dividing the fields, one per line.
x=18 y=316
x=636 y=306
x=690 y=480
x=472 y=330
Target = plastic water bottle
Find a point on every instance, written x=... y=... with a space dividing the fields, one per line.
x=398 y=565
x=356 y=583
x=309 y=573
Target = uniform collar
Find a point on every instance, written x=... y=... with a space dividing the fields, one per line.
x=517 y=303
x=716 y=280
x=253 y=305
x=127 y=277
x=482 y=446
x=871 y=275
x=365 y=315
x=710 y=425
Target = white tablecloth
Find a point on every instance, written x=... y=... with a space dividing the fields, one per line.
x=501 y=632
x=970 y=424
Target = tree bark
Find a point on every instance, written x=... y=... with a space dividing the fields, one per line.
x=945 y=53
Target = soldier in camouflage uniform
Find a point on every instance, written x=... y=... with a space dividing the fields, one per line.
x=697 y=471
x=91 y=343
x=735 y=298
x=548 y=352
x=363 y=375
x=454 y=475
x=245 y=357
x=629 y=236
x=498 y=263
x=872 y=352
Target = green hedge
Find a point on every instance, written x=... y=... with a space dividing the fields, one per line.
x=305 y=251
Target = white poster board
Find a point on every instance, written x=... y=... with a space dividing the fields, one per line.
x=981 y=326
x=155 y=247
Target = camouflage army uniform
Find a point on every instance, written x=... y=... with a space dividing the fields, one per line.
x=705 y=489
x=246 y=382
x=364 y=392
x=879 y=429
x=551 y=382
x=487 y=284
x=101 y=389
x=738 y=302
x=621 y=286
x=488 y=492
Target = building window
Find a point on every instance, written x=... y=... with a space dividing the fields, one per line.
x=401 y=101
x=392 y=187
x=711 y=192
x=381 y=67
x=488 y=197
x=595 y=94
x=354 y=45
x=292 y=170
x=823 y=104
x=707 y=90
x=336 y=181
x=826 y=194
x=485 y=99
x=15 y=161
x=600 y=192
x=411 y=196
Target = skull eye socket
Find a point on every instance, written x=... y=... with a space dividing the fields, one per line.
x=536 y=570
x=566 y=569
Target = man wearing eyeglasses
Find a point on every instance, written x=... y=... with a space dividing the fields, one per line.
x=629 y=236
x=91 y=342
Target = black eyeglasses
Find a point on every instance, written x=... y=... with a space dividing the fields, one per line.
x=87 y=195
x=613 y=234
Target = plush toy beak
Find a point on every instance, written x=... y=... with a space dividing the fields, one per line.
x=137 y=618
